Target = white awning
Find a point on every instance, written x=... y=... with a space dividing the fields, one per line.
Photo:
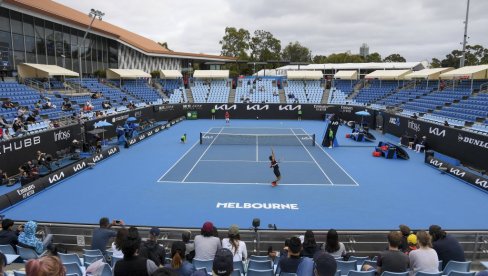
x=32 y=70
x=477 y=72
x=388 y=74
x=170 y=74
x=211 y=74
x=126 y=74
x=266 y=72
x=430 y=74
x=304 y=75
x=346 y=75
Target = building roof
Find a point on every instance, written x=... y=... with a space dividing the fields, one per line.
x=356 y=66
x=170 y=74
x=211 y=74
x=431 y=74
x=346 y=75
x=468 y=72
x=304 y=75
x=32 y=70
x=61 y=12
x=126 y=74
x=388 y=74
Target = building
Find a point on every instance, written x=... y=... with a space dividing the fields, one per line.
x=46 y=32
x=364 y=50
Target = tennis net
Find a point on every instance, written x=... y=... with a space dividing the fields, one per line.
x=208 y=138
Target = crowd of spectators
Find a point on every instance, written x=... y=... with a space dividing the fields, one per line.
x=410 y=251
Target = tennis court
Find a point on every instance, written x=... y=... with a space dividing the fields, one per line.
x=243 y=154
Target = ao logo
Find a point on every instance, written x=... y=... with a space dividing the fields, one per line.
x=395 y=121
x=56 y=177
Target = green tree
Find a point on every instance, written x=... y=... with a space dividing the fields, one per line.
x=435 y=63
x=344 y=58
x=295 y=52
x=373 y=57
x=318 y=59
x=264 y=46
x=394 y=58
x=235 y=43
x=452 y=59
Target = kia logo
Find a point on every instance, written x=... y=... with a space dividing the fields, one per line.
x=56 y=177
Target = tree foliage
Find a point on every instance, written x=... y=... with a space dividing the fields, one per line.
x=344 y=58
x=373 y=57
x=235 y=43
x=264 y=46
x=394 y=58
x=319 y=59
x=295 y=52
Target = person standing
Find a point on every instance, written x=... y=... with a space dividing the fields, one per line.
x=212 y=111
x=227 y=117
x=276 y=168
x=300 y=112
x=331 y=138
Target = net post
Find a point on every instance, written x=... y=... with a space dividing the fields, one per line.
x=201 y=140
x=313 y=140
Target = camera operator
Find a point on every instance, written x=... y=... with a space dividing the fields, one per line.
x=3 y=178
x=44 y=159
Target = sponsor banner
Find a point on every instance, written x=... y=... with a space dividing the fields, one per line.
x=257 y=205
x=40 y=184
x=23 y=149
x=469 y=148
x=4 y=202
x=469 y=177
x=146 y=134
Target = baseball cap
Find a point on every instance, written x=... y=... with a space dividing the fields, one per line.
x=325 y=264
x=234 y=229
x=155 y=231
x=412 y=239
x=223 y=263
x=207 y=227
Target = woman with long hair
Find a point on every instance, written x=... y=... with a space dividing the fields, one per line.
x=179 y=263
x=425 y=258
x=309 y=244
x=235 y=245
x=333 y=246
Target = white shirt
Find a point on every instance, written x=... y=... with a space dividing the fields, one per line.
x=241 y=253
x=116 y=253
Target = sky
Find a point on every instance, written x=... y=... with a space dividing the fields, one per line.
x=416 y=29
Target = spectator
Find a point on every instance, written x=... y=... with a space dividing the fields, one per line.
x=31 y=119
x=151 y=250
x=291 y=259
x=7 y=104
x=206 y=244
x=28 y=238
x=9 y=236
x=425 y=258
x=18 y=125
x=101 y=235
x=66 y=105
x=88 y=106
x=446 y=246
x=404 y=229
x=133 y=264
x=3 y=123
x=223 y=264
x=106 y=105
x=38 y=104
x=325 y=265
x=272 y=255
x=44 y=160
x=3 y=178
x=178 y=262
x=45 y=266
x=412 y=243
x=333 y=246
x=421 y=145
x=164 y=271
x=190 y=246
x=6 y=135
x=3 y=264
x=392 y=260
x=116 y=252
x=310 y=246
x=235 y=245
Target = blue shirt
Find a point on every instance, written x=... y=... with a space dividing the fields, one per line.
x=100 y=238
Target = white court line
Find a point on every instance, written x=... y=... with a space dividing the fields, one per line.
x=186 y=176
x=178 y=161
x=252 y=161
x=320 y=146
x=259 y=184
x=312 y=157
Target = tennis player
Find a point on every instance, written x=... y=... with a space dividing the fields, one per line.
x=227 y=117
x=276 y=168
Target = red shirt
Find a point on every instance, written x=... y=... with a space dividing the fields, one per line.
x=227 y=115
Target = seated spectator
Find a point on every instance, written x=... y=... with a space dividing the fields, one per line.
x=164 y=271
x=6 y=135
x=88 y=106
x=48 y=104
x=116 y=252
x=421 y=145
x=44 y=159
x=3 y=178
x=392 y=260
x=38 y=104
x=412 y=243
x=446 y=123
x=28 y=238
x=235 y=245
x=45 y=266
x=8 y=235
x=179 y=263
x=223 y=264
x=4 y=123
x=131 y=105
x=8 y=104
x=333 y=246
x=310 y=246
x=132 y=264
x=151 y=250
x=323 y=264
x=31 y=119
x=106 y=105
x=206 y=244
x=290 y=260
x=18 y=126
x=446 y=246
x=102 y=234
x=425 y=258
x=21 y=112
x=66 y=105
x=190 y=246
x=404 y=229
x=97 y=95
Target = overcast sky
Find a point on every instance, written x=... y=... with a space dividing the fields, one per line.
x=416 y=29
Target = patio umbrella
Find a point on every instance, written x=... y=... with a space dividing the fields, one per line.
x=131 y=119
x=362 y=113
x=102 y=124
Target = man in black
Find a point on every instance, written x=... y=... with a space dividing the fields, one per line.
x=289 y=262
x=7 y=235
x=446 y=246
x=151 y=249
x=392 y=260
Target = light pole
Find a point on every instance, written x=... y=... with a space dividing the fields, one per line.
x=93 y=15
x=463 y=56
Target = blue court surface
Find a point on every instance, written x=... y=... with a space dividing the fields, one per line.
x=226 y=179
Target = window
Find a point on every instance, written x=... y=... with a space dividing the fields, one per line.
x=16 y=22
x=39 y=28
x=74 y=37
x=49 y=30
x=28 y=25
x=18 y=42
x=5 y=41
x=41 y=47
x=30 y=44
x=50 y=47
x=31 y=58
x=66 y=35
x=19 y=57
x=4 y=20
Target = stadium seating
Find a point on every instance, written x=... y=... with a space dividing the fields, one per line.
x=257 y=90
x=376 y=90
x=140 y=89
x=214 y=91
x=178 y=96
x=345 y=86
x=306 y=91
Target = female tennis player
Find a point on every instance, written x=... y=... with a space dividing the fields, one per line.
x=276 y=168
x=227 y=117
